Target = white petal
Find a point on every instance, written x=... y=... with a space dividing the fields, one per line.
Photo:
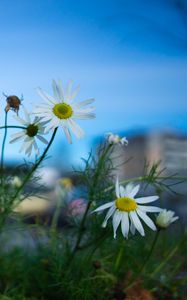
x=108 y=215
x=77 y=130
x=42 y=139
x=68 y=134
x=146 y=219
x=149 y=208
x=74 y=93
x=146 y=199
x=20 y=120
x=129 y=187
x=174 y=219
x=45 y=96
x=27 y=117
x=132 y=228
x=122 y=191
x=84 y=116
x=125 y=224
x=57 y=91
x=17 y=136
x=134 y=218
x=116 y=220
x=134 y=191
x=117 y=188
x=104 y=206
x=84 y=103
x=68 y=91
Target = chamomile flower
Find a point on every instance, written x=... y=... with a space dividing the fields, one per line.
x=128 y=210
x=61 y=110
x=116 y=139
x=33 y=130
x=165 y=218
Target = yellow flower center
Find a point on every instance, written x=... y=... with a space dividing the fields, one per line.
x=62 y=111
x=126 y=204
x=32 y=130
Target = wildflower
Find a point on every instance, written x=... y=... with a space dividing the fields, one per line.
x=33 y=129
x=128 y=210
x=66 y=183
x=61 y=110
x=165 y=218
x=115 y=139
x=77 y=207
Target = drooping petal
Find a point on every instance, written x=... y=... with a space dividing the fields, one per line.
x=68 y=134
x=125 y=224
x=116 y=220
x=137 y=223
x=77 y=130
x=108 y=215
x=146 y=219
x=132 y=228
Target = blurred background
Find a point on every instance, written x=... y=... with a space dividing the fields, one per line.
x=131 y=56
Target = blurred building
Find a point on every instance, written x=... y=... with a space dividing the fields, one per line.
x=170 y=148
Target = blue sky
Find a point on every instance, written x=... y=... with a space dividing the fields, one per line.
x=131 y=56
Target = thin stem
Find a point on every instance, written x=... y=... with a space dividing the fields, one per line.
x=91 y=194
x=12 y=126
x=28 y=176
x=132 y=283
x=56 y=215
x=150 y=252
x=119 y=257
x=3 y=147
x=169 y=256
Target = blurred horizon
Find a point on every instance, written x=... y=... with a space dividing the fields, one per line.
x=131 y=56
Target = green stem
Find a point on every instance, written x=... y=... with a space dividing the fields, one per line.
x=132 y=283
x=12 y=126
x=3 y=147
x=56 y=215
x=150 y=252
x=91 y=195
x=28 y=176
x=119 y=257
x=169 y=256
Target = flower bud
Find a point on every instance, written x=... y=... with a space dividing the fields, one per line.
x=165 y=218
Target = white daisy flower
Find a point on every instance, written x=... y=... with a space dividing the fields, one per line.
x=62 y=110
x=33 y=130
x=128 y=210
x=165 y=218
x=116 y=139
